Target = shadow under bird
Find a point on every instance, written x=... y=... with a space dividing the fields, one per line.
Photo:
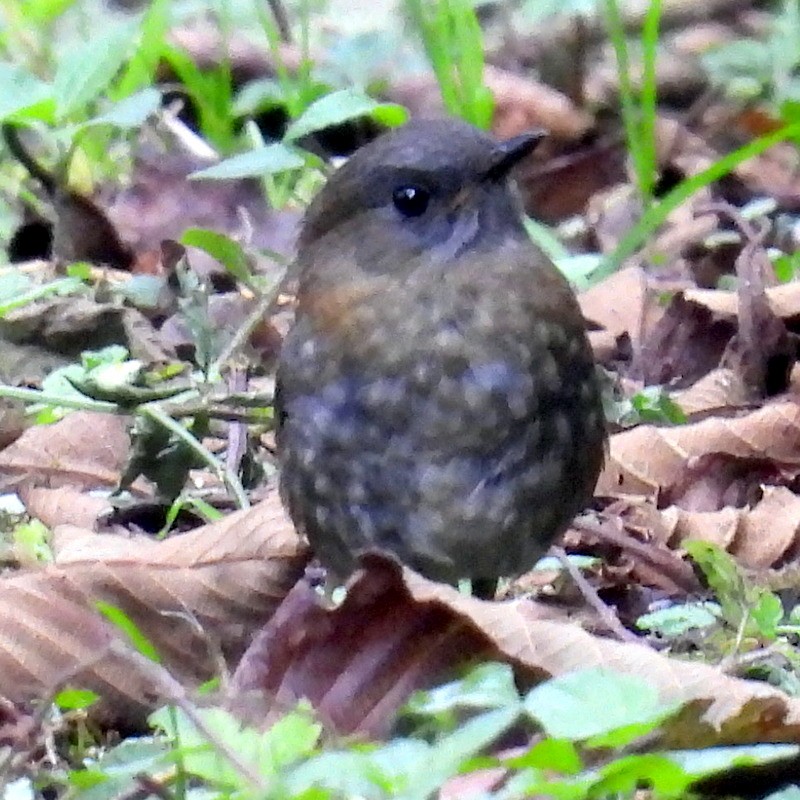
x=437 y=396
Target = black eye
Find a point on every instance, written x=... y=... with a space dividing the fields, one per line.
x=411 y=201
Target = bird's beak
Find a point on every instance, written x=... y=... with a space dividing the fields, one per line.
x=506 y=154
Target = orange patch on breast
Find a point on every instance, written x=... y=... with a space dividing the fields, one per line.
x=341 y=311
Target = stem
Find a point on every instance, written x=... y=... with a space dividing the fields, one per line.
x=83 y=404
x=234 y=486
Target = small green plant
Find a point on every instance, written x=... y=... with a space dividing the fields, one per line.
x=284 y=165
x=745 y=627
x=453 y=42
x=32 y=542
x=638 y=105
x=652 y=404
x=764 y=69
x=169 y=419
x=748 y=609
x=91 y=90
x=590 y=725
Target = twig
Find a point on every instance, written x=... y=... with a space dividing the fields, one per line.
x=83 y=404
x=263 y=309
x=237 y=434
x=13 y=756
x=173 y=693
x=607 y=616
x=667 y=563
x=232 y=482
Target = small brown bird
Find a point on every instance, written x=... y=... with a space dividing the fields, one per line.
x=437 y=395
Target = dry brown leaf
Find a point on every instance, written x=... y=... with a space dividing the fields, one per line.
x=356 y=664
x=611 y=212
x=617 y=303
x=396 y=633
x=648 y=460
x=686 y=342
x=784 y=301
x=773 y=173
x=64 y=505
x=760 y=537
x=762 y=352
x=193 y=596
x=84 y=449
x=724 y=709
x=768 y=533
x=721 y=389
x=670 y=526
x=606 y=347
x=522 y=103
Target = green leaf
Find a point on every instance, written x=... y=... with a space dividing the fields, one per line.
x=767 y=613
x=360 y=771
x=132 y=112
x=111 y=354
x=80 y=270
x=486 y=686
x=654 y=405
x=42 y=12
x=60 y=286
x=116 y=769
x=13 y=283
x=222 y=248
x=211 y=93
x=341 y=106
x=709 y=760
x=557 y=755
x=581 y=269
x=33 y=539
x=199 y=505
x=71 y=699
x=58 y=384
x=290 y=739
x=540 y=783
x=723 y=575
x=271 y=159
x=544 y=237
x=787 y=266
x=453 y=43
x=109 y=379
x=123 y=622
x=142 y=291
x=24 y=95
x=257 y=96
x=625 y=775
x=740 y=60
x=609 y=708
x=679 y=619
x=141 y=69
x=85 y=71
x=449 y=755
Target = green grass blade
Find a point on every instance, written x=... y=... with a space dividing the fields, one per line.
x=657 y=214
x=647 y=99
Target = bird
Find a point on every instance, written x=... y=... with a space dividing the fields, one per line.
x=436 y=395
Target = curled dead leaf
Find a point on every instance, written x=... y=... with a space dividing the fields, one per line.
x=197 y=597
x=64 y=454
x=649 y=460
x=397 y=632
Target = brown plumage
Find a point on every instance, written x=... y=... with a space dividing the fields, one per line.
x=437 y=396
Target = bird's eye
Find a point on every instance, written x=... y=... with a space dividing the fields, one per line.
x=411 y=201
